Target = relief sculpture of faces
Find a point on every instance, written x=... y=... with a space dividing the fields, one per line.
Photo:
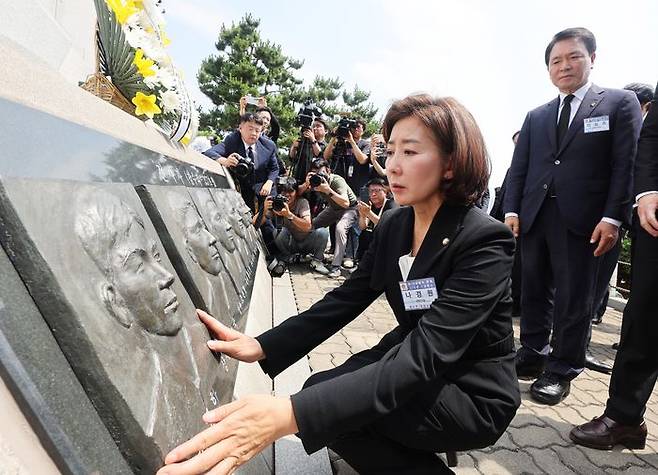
x=200 y=244
x=221 y=226
x=136 y=287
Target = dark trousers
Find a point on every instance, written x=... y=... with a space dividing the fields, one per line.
x=516 y=278
x=636 y=365
x=393 y=444
x=605 y=268
x=559 y=270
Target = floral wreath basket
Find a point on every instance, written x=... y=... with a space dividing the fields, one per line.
x=134 y=71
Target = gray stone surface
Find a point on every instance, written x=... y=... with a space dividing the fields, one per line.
x=537 y=440
x=99 y=276
x=46 y=389
x=237 y=241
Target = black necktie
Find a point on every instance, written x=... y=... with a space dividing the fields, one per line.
x=563 y=123
x=250 y=154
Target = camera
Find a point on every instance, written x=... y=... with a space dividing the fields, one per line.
x=380 y=151
x=307 y=114
x=344 y=126
x=244 y=167
x=279 y=202
x=316 y=179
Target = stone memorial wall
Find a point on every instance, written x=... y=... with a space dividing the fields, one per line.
x=113 y=246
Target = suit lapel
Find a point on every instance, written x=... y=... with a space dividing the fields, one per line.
x=595 y=95
x=553 y=107
x=396 y=244
x=442 y=232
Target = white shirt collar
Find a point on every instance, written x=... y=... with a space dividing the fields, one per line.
x=246 y=147
x=579 y=93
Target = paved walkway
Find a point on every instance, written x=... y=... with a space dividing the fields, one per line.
x=537 y=440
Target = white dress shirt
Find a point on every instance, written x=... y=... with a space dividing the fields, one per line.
x=253 y=150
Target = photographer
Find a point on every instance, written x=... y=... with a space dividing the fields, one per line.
x=348 y=153
x=378 y=156
x=310 y=143
x=371 y=212
x=297 y=235
x=250 y=158
x=340 y=210
x=315 y=136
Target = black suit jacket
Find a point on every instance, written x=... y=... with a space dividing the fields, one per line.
x=646 y=165
x=464 y=340
x=266 y=168
x=590 y=173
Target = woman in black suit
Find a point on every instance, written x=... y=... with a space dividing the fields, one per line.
x=444 y=379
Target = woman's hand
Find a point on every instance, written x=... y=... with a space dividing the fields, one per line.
x=238 y=431
x=231 y=342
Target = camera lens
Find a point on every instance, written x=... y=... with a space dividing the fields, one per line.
x=315 y=180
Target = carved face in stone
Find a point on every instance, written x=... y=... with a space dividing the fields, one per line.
x=235 y=218
x=137 y=288
x=220 y=226
x=144 y=284
x=201 y=245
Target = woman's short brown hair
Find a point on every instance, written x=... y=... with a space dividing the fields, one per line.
x=458 y=137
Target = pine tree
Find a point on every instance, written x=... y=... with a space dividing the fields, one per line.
x=247 y=64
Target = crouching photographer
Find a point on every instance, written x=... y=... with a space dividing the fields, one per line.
x=371 y=211
x=341 y=210
x=250 y=158
x=297 y=235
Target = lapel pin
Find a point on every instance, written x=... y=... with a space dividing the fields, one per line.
x=593 y=104
x=445 y=241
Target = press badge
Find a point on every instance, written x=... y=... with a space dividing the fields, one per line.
x=350 y=171
x=418 y=294
x=597 y=124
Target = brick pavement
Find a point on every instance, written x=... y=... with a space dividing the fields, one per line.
x=537 y=440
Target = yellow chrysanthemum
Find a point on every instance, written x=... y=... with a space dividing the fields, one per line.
x=185 y=140
x=122 y=10
x=144 y=65
x=145 y=105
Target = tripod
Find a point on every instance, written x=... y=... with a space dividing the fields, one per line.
x=303 y=159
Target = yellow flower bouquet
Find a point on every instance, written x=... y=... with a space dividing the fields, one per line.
x=132 y=55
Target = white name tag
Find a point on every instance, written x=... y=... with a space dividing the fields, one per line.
x=418 y=294
x=597 y=124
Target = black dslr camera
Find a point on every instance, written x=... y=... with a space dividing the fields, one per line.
x=279 y=202
x=344 y=126
x=244 y=167
x=316 y=179
x=307 y=114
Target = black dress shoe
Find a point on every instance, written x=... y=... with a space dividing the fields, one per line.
x=595 y=365
x=528 y=366
x=550 y=388
x=603 y=433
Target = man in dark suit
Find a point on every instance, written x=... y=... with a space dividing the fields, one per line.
x=569 y=190
x=636 y=366
x=248 y=143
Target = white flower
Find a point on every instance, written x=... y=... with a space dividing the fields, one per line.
x=136 y=37
x=169 y=101
x=167 y=79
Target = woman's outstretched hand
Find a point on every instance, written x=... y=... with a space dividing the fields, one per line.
x=231 y=342
x=238 y=431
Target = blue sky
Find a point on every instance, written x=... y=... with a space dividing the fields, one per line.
x=489 y=55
